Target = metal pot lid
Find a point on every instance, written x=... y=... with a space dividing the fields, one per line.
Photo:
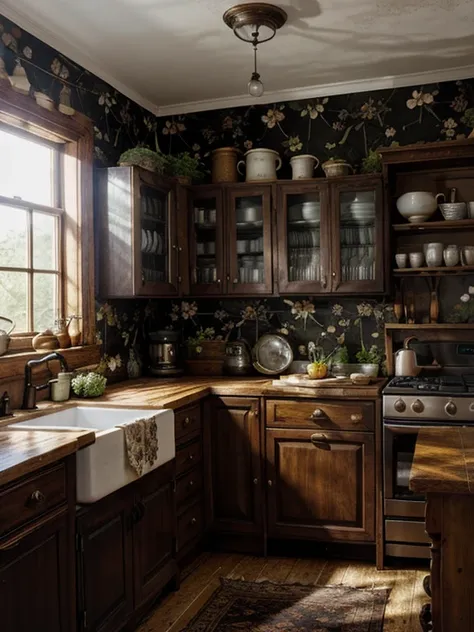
x=272 y=354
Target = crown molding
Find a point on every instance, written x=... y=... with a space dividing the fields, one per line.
x=77 y=55
x=322 y=90
x=64 y=46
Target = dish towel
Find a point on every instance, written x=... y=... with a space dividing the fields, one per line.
x=142 y=443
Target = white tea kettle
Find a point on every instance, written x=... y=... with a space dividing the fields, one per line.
x=5 y=335
x=405 y=360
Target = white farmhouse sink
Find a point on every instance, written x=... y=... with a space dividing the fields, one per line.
x=103 y=467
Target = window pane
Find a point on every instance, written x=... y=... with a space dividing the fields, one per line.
x=13 y=237
x=45 y=301
x=45 y=242
x=13 y=298
x=26 y=169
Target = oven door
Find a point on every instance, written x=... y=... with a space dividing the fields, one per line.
x=399 y=450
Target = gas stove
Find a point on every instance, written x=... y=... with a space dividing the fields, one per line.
x=437 y=399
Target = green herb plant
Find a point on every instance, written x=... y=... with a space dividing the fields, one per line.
x=89 y=384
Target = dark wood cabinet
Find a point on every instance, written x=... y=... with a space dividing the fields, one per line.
x=140 y=237
x=230 y=240
x=105 y=563
x=236 y=464
x=37 y=551
x=321 y=484
x=331 y=236
x=126 y=547
x=36 y=580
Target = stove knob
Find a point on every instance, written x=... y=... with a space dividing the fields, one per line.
x=418 y=406
x=451 y=408
x=400 y=406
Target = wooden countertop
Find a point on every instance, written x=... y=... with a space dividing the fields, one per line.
x=23 y=452
x=444 y=461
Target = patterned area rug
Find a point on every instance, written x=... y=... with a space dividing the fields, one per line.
x=240 y=606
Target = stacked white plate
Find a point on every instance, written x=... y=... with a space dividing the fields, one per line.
x=361 y=213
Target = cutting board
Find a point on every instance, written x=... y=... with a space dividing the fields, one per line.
x=306 y=381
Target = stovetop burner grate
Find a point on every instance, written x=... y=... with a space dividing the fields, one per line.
x=434 y=384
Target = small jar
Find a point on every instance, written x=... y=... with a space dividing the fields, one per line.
x=61 y=387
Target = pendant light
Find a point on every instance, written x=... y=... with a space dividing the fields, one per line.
x=255 y=23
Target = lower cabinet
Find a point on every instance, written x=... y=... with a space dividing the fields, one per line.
x=237 y=499
x=36 y=580
x=126 y=551
x=321 y=485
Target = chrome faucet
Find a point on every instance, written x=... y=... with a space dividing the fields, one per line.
x=29 y=392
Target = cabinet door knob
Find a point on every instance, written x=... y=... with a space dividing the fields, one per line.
x=37 y=497
x=356 y=417
x=255 y=481
x=317 y=413
x=191 y=457
x=193 y=521
x=270 y=483
x=191 y=483
x=218 y=281
x=333 y=274
x=235 y=281
x=187 y=421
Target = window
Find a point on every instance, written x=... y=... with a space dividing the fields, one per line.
x=31 y=209
x=46 y=226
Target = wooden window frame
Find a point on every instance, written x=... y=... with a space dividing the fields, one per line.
x=75 y=133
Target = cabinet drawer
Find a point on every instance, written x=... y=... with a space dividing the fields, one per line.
x=349 y=415
x=188 y=456
x=187 y=421
x=406 y=531
x=22 y=502
x=189 y=487
x=190 y=524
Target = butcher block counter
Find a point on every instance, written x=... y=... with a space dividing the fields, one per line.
x=443 y=469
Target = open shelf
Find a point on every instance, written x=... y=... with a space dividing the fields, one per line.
x=441 y=271
x=445 y=224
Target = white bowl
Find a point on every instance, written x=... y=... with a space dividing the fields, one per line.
x=417 y=206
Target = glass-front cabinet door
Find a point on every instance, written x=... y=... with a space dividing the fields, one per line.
x=206 y=254
x=303 y=238
x=249 y=240
x=358 y=236
x=156 y=248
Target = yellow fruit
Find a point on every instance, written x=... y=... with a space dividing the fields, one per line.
x=317 y=370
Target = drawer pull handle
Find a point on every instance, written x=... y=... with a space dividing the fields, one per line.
x=356 y=417
x=191 y=457
x=37 y=498
x=255 y=481
x=187 y=421
x=320 y=442
x=191 y=483
x=270 y=483
x=193 y=521
x=317 y=413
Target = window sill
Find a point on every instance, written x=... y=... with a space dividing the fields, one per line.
x=13 y=364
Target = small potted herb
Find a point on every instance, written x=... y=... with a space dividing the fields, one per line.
x=372 y=163
x=144 y=158
x=184 y=167
x=335 y=167
x=204 y=345
x=369 y=360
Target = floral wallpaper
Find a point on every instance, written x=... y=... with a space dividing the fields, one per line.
x=344 y=126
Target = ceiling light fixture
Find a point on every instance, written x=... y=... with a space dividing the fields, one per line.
x=256 y=23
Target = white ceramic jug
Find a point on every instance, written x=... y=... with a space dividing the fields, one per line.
x=260 y=164
x=303 y=166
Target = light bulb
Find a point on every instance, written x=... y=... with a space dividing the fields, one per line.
x=255 y=86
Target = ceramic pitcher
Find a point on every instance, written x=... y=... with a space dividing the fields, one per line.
x=303 y=166
x=260 y=165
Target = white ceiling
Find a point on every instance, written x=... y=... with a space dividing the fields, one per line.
x=176 y=56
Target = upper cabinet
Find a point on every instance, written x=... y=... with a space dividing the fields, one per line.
x=140 y=240
x=331 y=236
x=230 y=245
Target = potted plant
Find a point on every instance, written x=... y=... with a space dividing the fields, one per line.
x=372 y=163
x=369 y=360
x=335 y=167
x=184 y=167
x=144 y=158
x=205 y=345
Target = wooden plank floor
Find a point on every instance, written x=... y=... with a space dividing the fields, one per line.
x=175 y=611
